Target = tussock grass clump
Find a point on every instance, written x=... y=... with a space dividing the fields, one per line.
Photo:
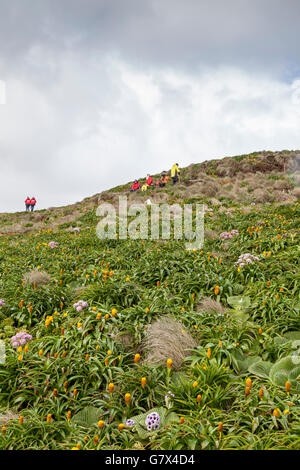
x=207 y=304
x=211 y=234
x=165 y=339
x=7 y=416
x=296 y=193
x=78 y=291
x=38 y=278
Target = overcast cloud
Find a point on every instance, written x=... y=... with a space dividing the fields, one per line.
x=101 y=92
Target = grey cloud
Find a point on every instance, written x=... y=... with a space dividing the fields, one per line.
x=179 y=33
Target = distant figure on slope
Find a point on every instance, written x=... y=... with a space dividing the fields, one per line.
x=149 y=182
x=135 y=186
x=32 y=203
x=163 y=180
x=27 y=203
x=175 y=172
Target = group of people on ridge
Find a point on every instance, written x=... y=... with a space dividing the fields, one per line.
x=175 y=172
x=30 y=203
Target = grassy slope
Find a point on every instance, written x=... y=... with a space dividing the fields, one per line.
x=144 y=280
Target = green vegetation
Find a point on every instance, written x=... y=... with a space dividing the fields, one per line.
x=87 y=371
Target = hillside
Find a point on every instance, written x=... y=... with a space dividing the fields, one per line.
x=99 y=334
x=260 y=177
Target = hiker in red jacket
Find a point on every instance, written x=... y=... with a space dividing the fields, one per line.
x=136 y=185
x=27 y=203
x=32 y=203
x=149 y=180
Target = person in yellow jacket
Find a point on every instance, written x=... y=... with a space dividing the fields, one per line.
x=175 y=172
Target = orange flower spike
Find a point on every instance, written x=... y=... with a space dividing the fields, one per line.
x=127 y=398
x=169 y=363
x=143 y=382
x=217 y=290
x=111 y=387
x=199 y=398
x=137 y=357
x=208 y=353
x=287 y=387
x=69 y=414
x=261 y=393
x=49 y=418
x=21 y=420
x=248 y=383
x=100 y=424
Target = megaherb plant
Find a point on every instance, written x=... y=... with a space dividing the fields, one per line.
x=77 y=372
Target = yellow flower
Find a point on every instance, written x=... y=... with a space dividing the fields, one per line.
x=195 y=384
x=100 y=424
x=217 y=290
x=114 y=312
x=143 y=382
x=181 y=420
x=49 y=418
x=111 y=387
x=276 y=413
x=208 y=353
x=169 y=363
x=137 y=357
x=247 y=391
x=199 y=397
x=49 y=319
x=121 y=426
x=127 y=398
x=248 y=382
x=40 y=352
x=79 y=325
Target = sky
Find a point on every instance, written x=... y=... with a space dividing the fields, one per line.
x=96 y=93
